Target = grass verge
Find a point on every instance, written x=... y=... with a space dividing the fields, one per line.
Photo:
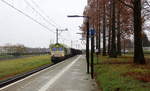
x=120 y=74
x=17 y=66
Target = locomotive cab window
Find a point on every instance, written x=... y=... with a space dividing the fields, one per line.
x=54 y=49
x=60 y=49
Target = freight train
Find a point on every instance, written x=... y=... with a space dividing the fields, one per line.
x=60 y=52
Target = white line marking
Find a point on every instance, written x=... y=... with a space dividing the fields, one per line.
x=29 y=76
x=50 y=82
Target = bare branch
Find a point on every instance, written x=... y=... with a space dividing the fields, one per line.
x=128 y=5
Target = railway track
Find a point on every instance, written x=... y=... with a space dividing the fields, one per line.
x=23 y=75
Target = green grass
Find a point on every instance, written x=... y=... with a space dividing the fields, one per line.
x=146 y=51
x=10 y=68
x=6 y=56
x=120 y=74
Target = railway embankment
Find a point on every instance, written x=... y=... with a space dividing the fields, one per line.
x=19 y=68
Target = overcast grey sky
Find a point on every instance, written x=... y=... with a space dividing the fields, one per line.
x=15 y=28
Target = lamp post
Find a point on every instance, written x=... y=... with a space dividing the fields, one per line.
x=92 y=33
x=87 y=38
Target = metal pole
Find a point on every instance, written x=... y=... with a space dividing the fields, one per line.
x=71 y=44
x=57 y=36
x=87 y=45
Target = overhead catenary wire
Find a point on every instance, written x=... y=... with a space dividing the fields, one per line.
x=41 y=10
x=37 y=6
x=27 y=15
x=30 y=17
x=26 y=1
x=46 y=18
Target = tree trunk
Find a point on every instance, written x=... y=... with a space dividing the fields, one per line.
x=124 y=46
x=109 y=42
x=138 y=50
x=104 y=30
x=97 y=26
x=99 y=30
x=118 y=31
x=99 y=40
x=113 y=40
x=97 y=36
x=109 y=31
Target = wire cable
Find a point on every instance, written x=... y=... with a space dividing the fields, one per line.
x=37 y=6
x=27 y=15
x=39 y=14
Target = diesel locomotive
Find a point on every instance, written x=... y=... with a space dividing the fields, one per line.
x=60 y=52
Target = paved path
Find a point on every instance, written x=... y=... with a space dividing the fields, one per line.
x=69 y=75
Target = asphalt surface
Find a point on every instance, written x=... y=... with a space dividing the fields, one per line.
x=69 y=75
